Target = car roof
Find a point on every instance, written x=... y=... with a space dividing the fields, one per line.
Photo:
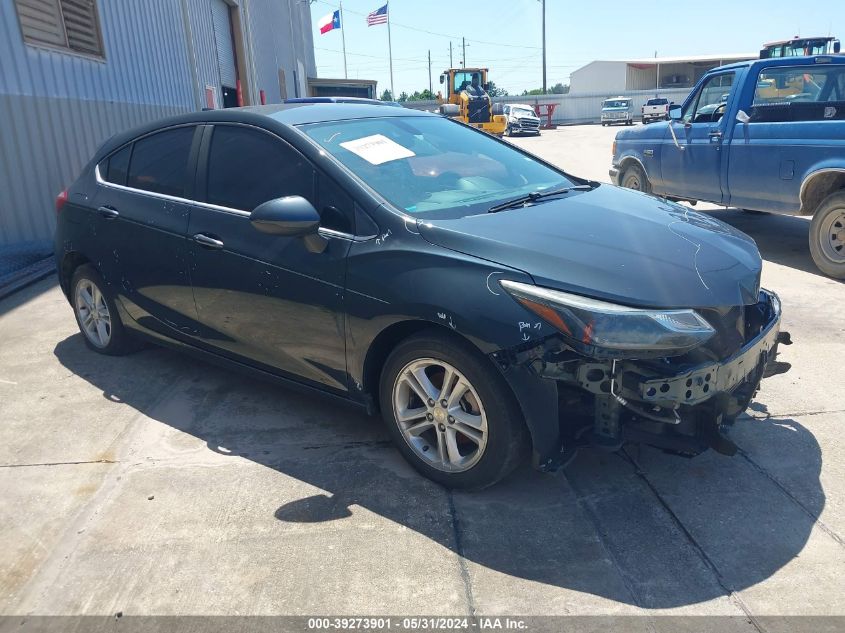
x=358 y=100
x=785 y=61
x=285 y=114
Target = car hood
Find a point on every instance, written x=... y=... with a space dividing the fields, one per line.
x=614 y=244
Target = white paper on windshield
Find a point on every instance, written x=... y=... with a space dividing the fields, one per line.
x=377 y=149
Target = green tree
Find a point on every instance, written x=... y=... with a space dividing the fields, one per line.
x=425 y=95
x=493 y=91
x=386 y=96
x=560 y=89
x=532 y=93
x=403 y=97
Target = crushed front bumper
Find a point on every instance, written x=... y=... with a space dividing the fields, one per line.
x=698 y=384
x=680 y=404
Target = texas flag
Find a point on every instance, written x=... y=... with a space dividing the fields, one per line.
x=329 y=22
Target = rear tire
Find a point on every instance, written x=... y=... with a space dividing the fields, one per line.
x=827 y=236
x=634 y=178
x=484 y=441
x=96 y=314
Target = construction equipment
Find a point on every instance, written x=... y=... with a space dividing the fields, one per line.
x=466 y=99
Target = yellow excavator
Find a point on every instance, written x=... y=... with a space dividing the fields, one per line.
x=466 y=99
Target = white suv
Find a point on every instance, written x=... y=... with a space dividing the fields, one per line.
x=521 y=119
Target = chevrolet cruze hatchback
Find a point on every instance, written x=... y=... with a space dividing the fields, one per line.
x=487 y=304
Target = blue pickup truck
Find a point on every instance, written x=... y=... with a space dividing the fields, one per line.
x=763 y=135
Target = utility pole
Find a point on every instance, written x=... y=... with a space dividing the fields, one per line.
x=464 y=60
x=430 y=86
x=544 y=45
x=451 y=63
x=657 y=75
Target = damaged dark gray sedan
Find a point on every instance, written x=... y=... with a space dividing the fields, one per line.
x=490 y=306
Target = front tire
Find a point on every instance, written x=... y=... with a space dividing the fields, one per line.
x=634 y=178
x=827 y=236
x=450 y=413
x=96 y=314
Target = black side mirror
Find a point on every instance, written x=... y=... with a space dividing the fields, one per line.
x=486 y=86
x=293 y=216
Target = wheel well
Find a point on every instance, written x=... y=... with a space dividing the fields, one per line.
x=818 y=186
x=386 y=342
x=626 y=164
x=70 y=262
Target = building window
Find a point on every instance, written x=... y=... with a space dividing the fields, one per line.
x=69 y=24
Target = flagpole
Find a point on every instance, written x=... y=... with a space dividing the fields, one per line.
x=343 y=38
x=390 y=52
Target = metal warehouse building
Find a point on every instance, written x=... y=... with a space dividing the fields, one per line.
x=74 y=72
x=662 y=73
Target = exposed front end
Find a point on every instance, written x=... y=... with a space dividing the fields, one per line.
x=669 y=378
x=525 y=125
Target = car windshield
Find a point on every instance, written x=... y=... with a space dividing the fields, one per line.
x=655 y=102
x=432 y=166
x=523 y=111
x=616 y=103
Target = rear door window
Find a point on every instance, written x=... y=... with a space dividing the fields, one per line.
x=160 y=162
x=247 y=167
x=799 y=93
x=117 y=166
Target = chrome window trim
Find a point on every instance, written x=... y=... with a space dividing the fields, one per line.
x=163 y=196
x=325 y=232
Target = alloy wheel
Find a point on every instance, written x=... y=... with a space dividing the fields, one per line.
x=440 y=415
x=93 y=313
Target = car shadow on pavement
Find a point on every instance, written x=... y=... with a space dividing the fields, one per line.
x=782 y=239
x=641 y=528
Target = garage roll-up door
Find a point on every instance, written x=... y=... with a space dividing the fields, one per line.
x=223 y=40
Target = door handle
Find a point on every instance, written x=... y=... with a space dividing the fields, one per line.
x=207 y=242
x=715 y=134
x=109 y=213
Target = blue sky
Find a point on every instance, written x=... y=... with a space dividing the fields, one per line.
x=504 y=35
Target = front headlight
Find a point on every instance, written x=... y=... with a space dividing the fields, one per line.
x=608 y=330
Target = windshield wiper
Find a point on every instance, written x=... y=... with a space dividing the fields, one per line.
x=536 y=196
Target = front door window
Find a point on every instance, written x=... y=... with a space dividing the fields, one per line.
x=710 y=102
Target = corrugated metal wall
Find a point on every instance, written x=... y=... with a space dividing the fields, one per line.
x=56 y=108
x=286 y=47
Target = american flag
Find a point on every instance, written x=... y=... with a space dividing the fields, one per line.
x=379 y=16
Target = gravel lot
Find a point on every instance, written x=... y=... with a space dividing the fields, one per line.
x=157 y=484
